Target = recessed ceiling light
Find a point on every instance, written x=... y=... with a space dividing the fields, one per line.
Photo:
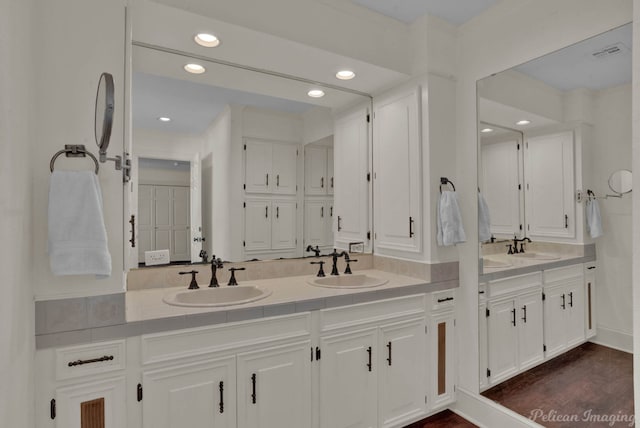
x=345 y=74
x=316 y=93
x=523 y=122
x=207 y=40
x=164 y=119
x=485 y=130
x=194 y=68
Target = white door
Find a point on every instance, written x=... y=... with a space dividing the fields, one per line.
x=181 y=224
x=201 y=395
x=442 y=348
x=98 y=403
x=501 y=186
x=503 y=342
x=401 y=380
x=314 y=222
x=257 y=224
x=163 y=208
x=555 y=305
x=530 y=329
x=397 y=173
x=146 y=232
x=315 y=170
x=283 y=224
x=549 y=193
x=258 y=161
x=351 y=187
x=348 y=380
x=330 y=178
x=285 y=160
x=274 y=387
x=575 y=312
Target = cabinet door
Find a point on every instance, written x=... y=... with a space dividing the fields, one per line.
x=330 y=178
x=530 y=329
x=162 y=217
x=589 y=300
x=401 y=377
x=482 y=343
x=315 y=217
x=348 y=380
x=181 y=224
x=351 y=188
x=574 y=314
x=145 y=220
x=283 y=225
x=500 y=181
x=257 y=170
x=284 y=172
x=92 y=404
x=192 y=395
x=442 y=359
x=257 y=225
x=274 y=387
x=397 y=173
x=315 y=170
x=503 y=342
x=555 y=305
x=549 y=194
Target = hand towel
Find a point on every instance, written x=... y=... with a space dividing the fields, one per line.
x=594 y=221
x=77 y=235
x=484 y=221
x=449 y=221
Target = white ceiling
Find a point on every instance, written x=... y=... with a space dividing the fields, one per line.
x=456 y=12
x=575 y=66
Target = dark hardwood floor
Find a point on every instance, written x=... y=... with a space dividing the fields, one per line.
x=444 y=419
x=589 y=386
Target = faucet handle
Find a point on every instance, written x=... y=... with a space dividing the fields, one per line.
x=321 y=271
x=347 y=271
x=232 y=280
x=510 y=248
x=193 y=285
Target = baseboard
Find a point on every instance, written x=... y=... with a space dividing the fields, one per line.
x=613 y=339
x=487 y=413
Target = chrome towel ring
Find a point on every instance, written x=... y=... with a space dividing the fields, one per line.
x=74 y=151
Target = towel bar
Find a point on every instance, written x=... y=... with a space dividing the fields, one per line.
x=74 y=151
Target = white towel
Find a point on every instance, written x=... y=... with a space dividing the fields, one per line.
x=594 y=221
x=449 y=220
x=484 y=220
x=77 y=235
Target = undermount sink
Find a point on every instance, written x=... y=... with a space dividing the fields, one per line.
x=536 y=256
x=348 y=281
x=490 y=263
x=212 y=297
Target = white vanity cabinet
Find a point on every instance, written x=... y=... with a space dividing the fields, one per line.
x=441 y=349
x=549 y=185
x=589 y=299
x=352 y=178
x=270 y=167
x=397 y=173
x=514 y=326
x=372 y=364
x=82 y=386
x=270 y=224
x=564 y=309
x=318 y=170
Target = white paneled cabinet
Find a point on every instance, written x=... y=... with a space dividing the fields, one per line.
x=397 y=173
x=589 y=300
x=352 y=174
x=318 y=164
x=270 y=167
x=549 y=187
x=93 y=403
x=193 y=395
x=318 y=222
x=270 y=224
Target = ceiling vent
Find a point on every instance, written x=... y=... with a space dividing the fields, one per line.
x=615 y=49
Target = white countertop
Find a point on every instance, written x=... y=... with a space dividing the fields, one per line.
x=145 y=305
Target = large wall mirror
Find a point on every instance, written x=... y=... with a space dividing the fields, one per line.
x=551 y=133
x=232 y=162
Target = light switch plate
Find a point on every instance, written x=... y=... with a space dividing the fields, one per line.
x=157 y=257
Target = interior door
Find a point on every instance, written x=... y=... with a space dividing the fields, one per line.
x=181 y=224
x=163 y=213
x=146 y=234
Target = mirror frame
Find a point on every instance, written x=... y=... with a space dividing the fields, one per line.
x=611 y=186
x=106 y=85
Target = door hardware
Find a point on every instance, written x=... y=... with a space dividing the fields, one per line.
x=369 y=364
x=253 y=386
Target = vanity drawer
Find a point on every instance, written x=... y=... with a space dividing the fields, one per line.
x=563 y=273
x=90 y=359
x=442 y=299
x=513 y=284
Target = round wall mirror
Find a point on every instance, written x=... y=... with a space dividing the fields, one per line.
x=104 y=112
x=620 y=181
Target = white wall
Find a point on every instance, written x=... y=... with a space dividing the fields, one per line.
x=317 y=123
x=495 y=41
x=164 y=177
x=635 y=133
x=16 y=153
x=156 y=144
x=79 y=39
x=612 y=151
x=272 y=125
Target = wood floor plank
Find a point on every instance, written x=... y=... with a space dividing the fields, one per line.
x=444 y=419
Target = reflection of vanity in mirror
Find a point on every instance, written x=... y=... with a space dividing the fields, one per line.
x=554 y=143
x=237 y=163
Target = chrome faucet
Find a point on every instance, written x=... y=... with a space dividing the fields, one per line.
x=335 y=256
